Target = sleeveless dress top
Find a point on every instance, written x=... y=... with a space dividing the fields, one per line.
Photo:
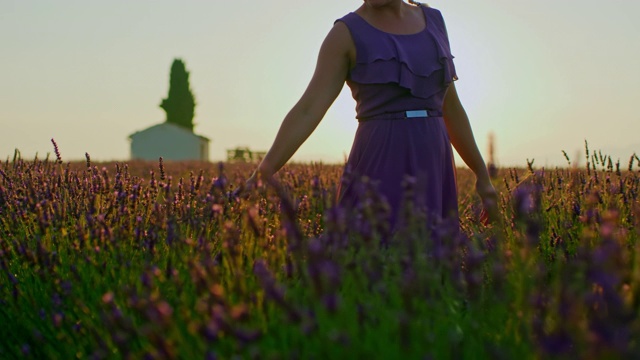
x=399 y=72
x=395 y=73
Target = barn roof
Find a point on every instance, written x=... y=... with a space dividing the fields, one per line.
x=173 y=126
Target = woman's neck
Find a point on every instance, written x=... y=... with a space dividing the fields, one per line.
x=394 y=9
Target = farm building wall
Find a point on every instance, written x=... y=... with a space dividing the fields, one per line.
x=169 y=141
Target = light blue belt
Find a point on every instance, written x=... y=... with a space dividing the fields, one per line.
x=410 y=114
x=416 y=113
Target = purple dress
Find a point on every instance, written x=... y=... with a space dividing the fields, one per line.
x=393 y=74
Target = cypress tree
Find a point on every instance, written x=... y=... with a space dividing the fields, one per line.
x=180 y=103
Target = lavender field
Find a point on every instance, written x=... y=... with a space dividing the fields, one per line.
x=164 y=261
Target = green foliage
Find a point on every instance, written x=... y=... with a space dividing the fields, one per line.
x=180 y=103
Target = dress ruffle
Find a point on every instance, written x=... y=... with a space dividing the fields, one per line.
x=445 y=57
x=422 y=82
x=392 y=62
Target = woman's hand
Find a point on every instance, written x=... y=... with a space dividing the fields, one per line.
x=253 y=182
x=489 y=197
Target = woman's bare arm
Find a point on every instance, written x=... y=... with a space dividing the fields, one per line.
x=328 y=79
x=463 y=141
x=460 y=133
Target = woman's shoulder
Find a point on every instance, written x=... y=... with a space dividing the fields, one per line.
x=349 y=19
x=345 y=24
x=355 y=26
x=340 y=36
x=433 y=14
x=430 y=10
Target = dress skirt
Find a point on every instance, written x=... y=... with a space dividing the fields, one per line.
x=400 y=154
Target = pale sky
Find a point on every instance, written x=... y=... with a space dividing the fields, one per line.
x=542 y=75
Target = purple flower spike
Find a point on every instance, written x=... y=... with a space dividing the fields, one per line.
x=525 y=202
x=25 y=349
x=330 y=302
x=557 y=344
x=211 y=331
x=247 y=336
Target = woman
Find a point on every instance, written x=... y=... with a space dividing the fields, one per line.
x=395 y=57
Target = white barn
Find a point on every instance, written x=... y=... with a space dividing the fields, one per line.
x=170 y=141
